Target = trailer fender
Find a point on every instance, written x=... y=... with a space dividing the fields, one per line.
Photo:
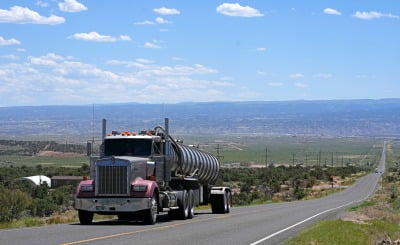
x=143 y=188
x=219 y=190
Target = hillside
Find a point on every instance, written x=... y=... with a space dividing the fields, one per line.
x=327 y=118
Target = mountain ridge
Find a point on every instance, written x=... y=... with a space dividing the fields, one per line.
x=365 y=117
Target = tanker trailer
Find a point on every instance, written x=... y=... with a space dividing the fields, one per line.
x=140 y=175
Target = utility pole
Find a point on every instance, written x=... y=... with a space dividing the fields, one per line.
x=266 y=157
x=319 y=157
x=337 y=159
x=332 y=159
x=306 y=159
x=219 y=157
x=293 y=159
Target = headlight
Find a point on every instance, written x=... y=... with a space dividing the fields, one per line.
x=87 y=188
x=140 y=188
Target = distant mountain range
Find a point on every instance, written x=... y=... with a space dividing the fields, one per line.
x=328 y=118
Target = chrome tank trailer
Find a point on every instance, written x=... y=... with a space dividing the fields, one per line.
x=190 y=161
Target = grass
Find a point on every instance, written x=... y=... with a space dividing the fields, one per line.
x=364 y=204
x=70 y=216
x=331 y=232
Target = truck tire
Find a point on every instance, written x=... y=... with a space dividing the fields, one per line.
x=183 y=204
x=85 y=218
x=228 y=199
x=191 y=204
x=150 y=216
x=218 y=204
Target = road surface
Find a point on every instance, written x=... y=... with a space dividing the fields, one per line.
x=262 y=224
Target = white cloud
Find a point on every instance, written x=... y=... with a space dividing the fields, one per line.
x=146 y=22
x=151 y=45
x=7 y=42
x=20 y=15
x=164 y=30
x=166 y=11
x=261 y=73
x=373 y=15
x=148 y=68
x=161 y=20
x=50 y=59
x=226 y=78
x=300 y=85
x=71 y=6
x=125 y=38
x=9 y=57
x=235 y=9
x=332 y=11
x=261 y=49
x=296 y=75
x=41 y=61
x=21 y=50
x=176 y=58
x=178 y=70
x=42 y=4
x=275 y=84
x=366 y=76
x=96 y=37
x=131 y=64
x=323 y=75
x=54 y=79
x=144 y=61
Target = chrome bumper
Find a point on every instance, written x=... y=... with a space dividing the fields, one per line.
x=112 y=205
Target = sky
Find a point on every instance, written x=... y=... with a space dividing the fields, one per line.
x=71 y=52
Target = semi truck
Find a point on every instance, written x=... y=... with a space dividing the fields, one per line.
x=138 y=176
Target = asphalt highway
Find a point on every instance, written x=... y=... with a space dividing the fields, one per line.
x=261 y=224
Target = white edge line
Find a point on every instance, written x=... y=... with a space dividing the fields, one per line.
x=309 y=218
x=299 y=223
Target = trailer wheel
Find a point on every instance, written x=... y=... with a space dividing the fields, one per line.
x=218 y=203
x=191 y=204
x=85 y=218
x=228 y=204
x=183 y=211
x=150 y=217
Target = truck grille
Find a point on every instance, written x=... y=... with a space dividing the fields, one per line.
x=112 y=180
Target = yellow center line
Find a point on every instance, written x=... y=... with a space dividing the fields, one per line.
x=145 y=230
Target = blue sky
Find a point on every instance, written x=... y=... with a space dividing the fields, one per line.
x=160 y=51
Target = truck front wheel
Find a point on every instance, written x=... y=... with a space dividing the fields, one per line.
x=150 y=217
x=85 y=218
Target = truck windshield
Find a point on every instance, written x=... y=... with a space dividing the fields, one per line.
x=127 y=147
